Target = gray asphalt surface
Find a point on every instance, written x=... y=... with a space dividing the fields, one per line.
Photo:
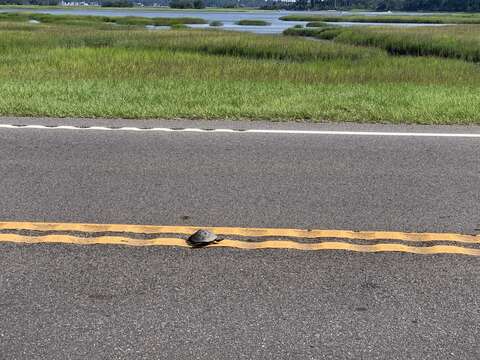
x=73 y=302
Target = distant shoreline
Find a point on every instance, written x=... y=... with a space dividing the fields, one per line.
x=144 y=8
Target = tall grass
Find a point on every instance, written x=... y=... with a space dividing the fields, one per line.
x=400 y=19
x=57 y=70
x=98 y=20
x=207 y=41
x=459 y=42
x=253 y=22
x=216 y=23
x=318 y=24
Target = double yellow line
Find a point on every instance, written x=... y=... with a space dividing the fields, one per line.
x=11 y=232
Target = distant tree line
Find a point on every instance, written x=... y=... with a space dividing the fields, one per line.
x=105 y=3
x=30 y=2
x=379 y=5
x=383 y=5
x=116 y=3
x=441 y=5
x=187 y=4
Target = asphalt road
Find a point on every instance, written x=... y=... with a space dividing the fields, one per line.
x=97 y=302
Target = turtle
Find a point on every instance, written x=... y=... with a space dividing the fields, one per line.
x=203 y=238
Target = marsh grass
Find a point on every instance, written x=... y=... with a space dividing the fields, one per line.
x=216 y=23
x=87 y=20
x=398 y=19
x=317 y=24
x=212 y=42
x=459 y=42
x=104 y=71
x=318 y=32
x=249 y=22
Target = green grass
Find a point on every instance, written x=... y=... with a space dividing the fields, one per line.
x=114 y=71
x=248 y=22
x=211 y=42
x=459 y=42
x=216 y=23
x=400 y=19
x=317 y=24
x=87 y=20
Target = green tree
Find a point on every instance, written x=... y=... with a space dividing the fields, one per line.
x=198 y=4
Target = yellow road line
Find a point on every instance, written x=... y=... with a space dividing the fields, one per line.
x=105 y=240
x=237 y=244
x=248 y=232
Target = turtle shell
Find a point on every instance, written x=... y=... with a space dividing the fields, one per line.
x=202 y=238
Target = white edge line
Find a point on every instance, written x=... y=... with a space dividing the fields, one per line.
x=242 y=131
